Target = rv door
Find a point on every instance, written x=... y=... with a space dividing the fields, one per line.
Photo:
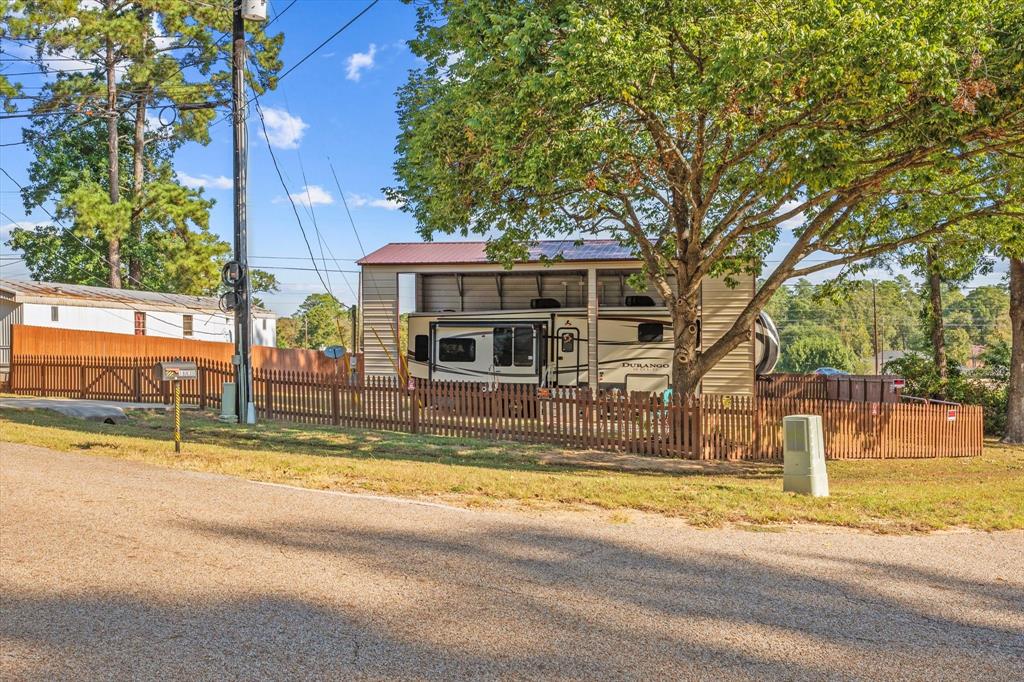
x=567 y=356
x=517 y=353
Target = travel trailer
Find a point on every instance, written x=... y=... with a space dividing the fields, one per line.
x=472 y=319
x=546 y=346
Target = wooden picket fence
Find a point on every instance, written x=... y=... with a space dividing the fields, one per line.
x=122 y=379
x=567 y=417
x=720 y=427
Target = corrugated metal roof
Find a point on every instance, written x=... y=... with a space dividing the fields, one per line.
x=454 y=253
x=80 y=293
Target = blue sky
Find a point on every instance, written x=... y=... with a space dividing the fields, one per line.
x=339 y=106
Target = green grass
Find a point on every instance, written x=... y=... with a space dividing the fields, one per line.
x=885 y=496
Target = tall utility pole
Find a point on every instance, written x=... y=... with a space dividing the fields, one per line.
x=253 y=10
x=874 y=316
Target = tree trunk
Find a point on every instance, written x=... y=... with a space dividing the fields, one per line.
x=1015 y=398
x=685 y=373
x=113 y=161
x=938 y=332
x=139 y=149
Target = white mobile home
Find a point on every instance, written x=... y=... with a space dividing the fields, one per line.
x=121 y=311
x=563 y=317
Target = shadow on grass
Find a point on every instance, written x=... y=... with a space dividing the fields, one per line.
x=329 y=441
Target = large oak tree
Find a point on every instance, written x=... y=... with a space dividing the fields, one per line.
x=699 y=132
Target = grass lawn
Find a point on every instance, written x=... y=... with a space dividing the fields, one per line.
x=886 y=496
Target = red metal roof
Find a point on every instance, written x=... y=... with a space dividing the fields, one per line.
x=454 y=253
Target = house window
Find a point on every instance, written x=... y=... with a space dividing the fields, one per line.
x=650 y=332
x=140 y=324
x=264 y=324
x=54 y=313
x=513 y=346
x=456 y=350
x=421 y=348
x=186 y=325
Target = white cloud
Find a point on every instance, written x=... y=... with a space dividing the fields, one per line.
x=210 y=181
x=283 y=129
x=795 y=221
x=312 y=195
x=360 y=201
x=7 y=228
x=359 y=62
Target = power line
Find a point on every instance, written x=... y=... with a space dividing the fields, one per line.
x=280 y=177
x=309 y=54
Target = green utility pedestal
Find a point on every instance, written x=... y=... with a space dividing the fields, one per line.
x=227 y=403
x=803 y=468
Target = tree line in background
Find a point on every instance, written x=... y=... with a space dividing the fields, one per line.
x=132 y=82
x=823 y=326
x=829 y=326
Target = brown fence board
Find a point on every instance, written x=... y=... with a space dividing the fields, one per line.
x=707 y=427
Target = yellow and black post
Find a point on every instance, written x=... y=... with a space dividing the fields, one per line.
x=177 y=416
x=176 y=372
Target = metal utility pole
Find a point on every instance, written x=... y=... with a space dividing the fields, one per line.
x=242 y=10
x=874 y=315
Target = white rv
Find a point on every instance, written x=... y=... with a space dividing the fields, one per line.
x=547 y=346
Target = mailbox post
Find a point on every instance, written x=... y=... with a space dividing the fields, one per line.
x=176 y=372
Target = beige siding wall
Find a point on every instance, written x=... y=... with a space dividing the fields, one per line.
x=720 y=306
x=380 y=319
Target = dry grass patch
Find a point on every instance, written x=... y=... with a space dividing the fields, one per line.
x=884 y=496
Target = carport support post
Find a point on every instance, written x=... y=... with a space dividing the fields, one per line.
x=592 y=376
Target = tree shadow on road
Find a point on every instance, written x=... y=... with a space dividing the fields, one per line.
x=448 y=598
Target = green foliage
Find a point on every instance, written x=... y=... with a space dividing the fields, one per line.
x=691 y=130
x=822 y=349
x=805 y=310
x=923 y=381
x=168 y=54
x=320 y=321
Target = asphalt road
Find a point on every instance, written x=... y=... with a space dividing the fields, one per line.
x=118 y=570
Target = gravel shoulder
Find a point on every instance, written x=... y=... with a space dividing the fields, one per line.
x=117 y=569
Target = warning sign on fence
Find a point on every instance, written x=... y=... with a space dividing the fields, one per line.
x=951 y=414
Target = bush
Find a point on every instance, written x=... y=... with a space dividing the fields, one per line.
x=808 y=353
x=923 y=381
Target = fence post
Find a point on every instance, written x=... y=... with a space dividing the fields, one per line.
x=414 y=406
x=268 y=383
x=202 y=387
x=698 y=435
x=81 y=380
x=137 y=383
x=335 y=403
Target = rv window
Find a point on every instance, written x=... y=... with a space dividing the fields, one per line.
x=503 y=346
x=513 y=346
x=568 y=342
x=523 y=350
x=649 y=332
x=421 y=352
x=456 y=350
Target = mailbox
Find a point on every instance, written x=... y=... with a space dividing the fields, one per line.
x=177 y=371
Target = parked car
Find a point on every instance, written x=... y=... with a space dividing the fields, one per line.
x=829 y=372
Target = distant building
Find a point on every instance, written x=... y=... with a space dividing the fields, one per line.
x=121 y=311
